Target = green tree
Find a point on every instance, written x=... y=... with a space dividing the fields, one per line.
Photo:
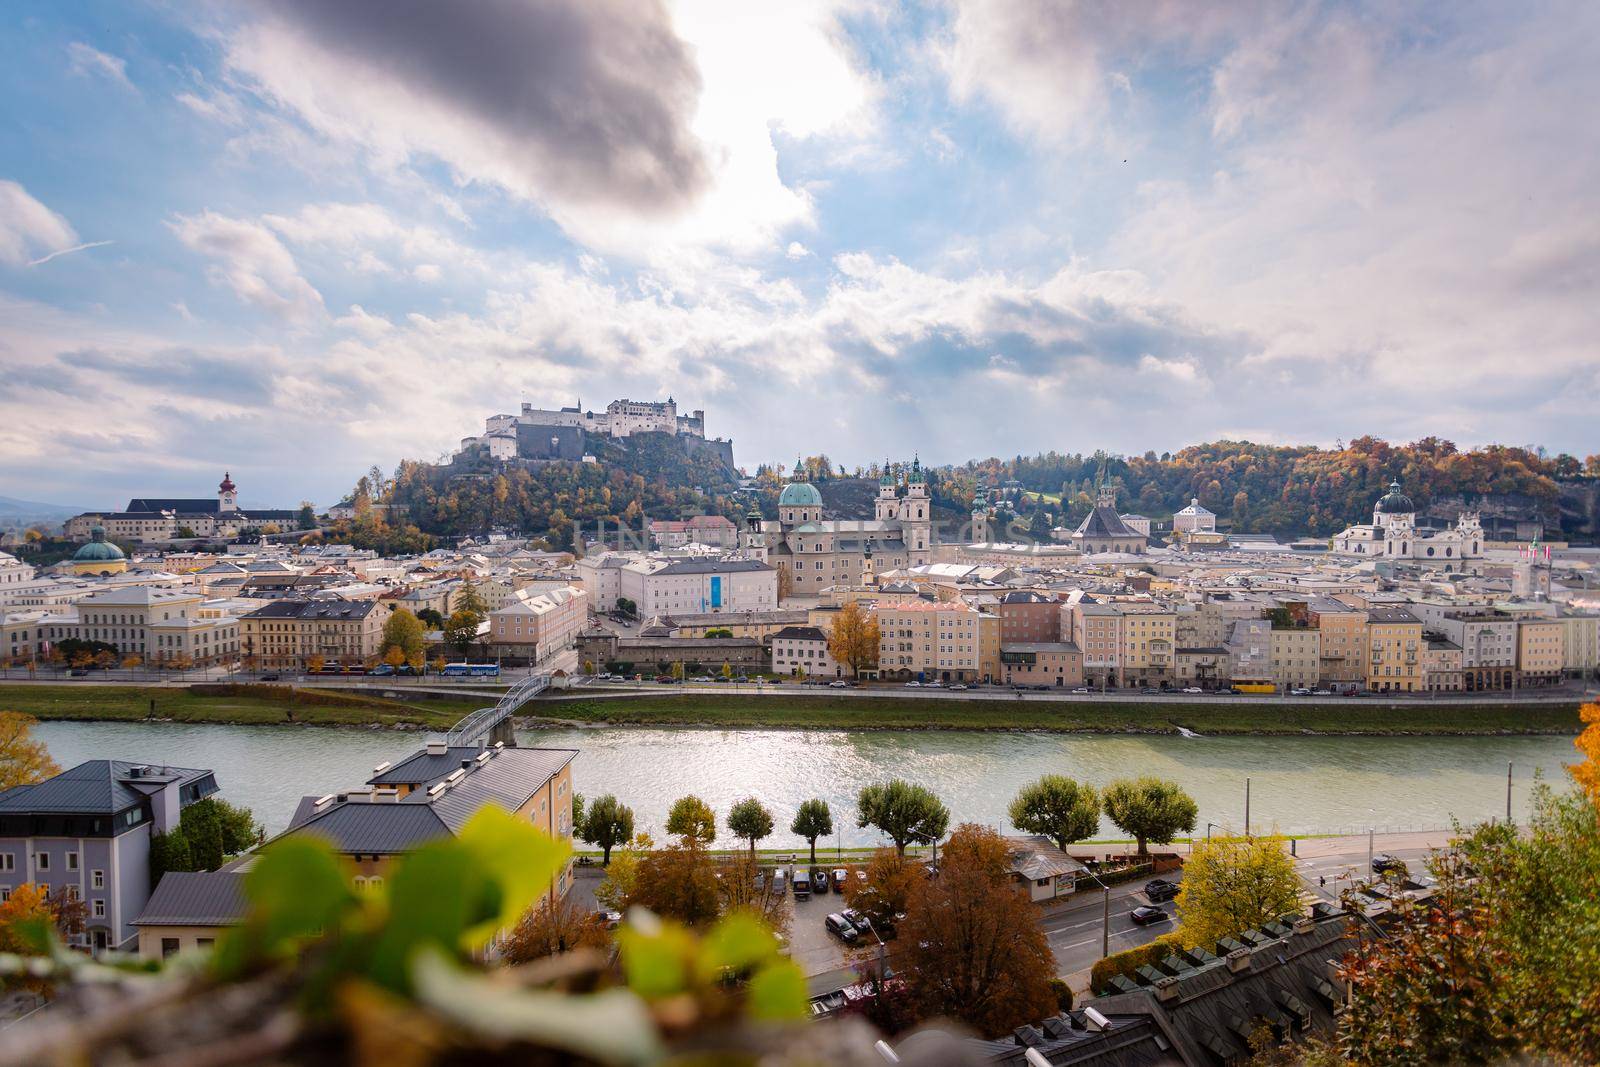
x=812 y=820
x=606 y=823
x=692 y=819
x=750 y=821
x=431 y=619
x=307 y=519
x=402 y=630
x=461 y=630
x=904 y=812
x=1149 y=809
x=215 y=829
x=1231 y=884
x=1057 y=807
x=169 y=852
x=468 y=599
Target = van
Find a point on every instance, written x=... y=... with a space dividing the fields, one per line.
x=802 y=886
x=780 y=879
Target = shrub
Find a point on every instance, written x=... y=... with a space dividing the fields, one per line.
x=1063 y=993
x=1125 y=963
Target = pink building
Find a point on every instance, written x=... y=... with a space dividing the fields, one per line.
x=536 y=626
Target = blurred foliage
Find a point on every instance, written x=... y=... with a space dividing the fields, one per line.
x=407 y=974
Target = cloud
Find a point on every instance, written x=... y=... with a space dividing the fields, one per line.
x=249 y=259
x=28 y=229
x=558 y=101
x=86 y=60
x=797 y=250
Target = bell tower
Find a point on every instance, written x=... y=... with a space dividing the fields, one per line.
x=886 y=507
x=916 y=516
x=227 y=496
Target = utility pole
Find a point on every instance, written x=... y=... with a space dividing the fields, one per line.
x=1508 y=791
x=1369 y=848
x=1247 y=808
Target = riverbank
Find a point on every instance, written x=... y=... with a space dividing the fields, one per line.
x=1363 y=717
x=247 y=705
x=279 y=704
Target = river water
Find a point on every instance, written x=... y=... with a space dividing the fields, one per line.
x=1297 y=784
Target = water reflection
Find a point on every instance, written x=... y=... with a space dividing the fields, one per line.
x=1299 y=784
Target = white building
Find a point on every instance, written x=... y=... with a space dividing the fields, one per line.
x=1194 y=518
x=621 y=418
x=1393 y=534
x=157 y=625
x=804 y=650
x=663 y=585
x=13 y=573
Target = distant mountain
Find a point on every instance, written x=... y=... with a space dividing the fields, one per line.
x=12 y=508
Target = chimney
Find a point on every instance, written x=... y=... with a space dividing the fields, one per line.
x=1238 y=960
x=1093 y=1020
x=437 y=748
x=1167 y=989
x=359 y=796
x=385 y=796
x=1304 y=925
x=380 y=768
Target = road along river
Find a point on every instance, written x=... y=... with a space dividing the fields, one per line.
x=1302 y=785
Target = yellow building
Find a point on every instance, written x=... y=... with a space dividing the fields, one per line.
x=1342 y=648
x=1394 y=647
x=288 y=634
x=1149 y=646
x=989 y=647
x=1541 y=651
x=928 y=641
x=1295 y=653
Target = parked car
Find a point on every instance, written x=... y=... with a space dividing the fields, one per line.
x=913 y=685
x=802 y=885
x=1300 y=691
x=957 y=686
x=780 y=879
x=1193 y=689
x=269 y=677
x=382 y=670
x=819 y=880
x=1158 y=889
x=1383 y=862
x=841 y=878
x=1149 y=690
x=1322 y=692
x=1145 y=916
x=935 y=684
x=841 y=928
x=79 y=672
x=839 y=684
x=1081 y=689
x=608 y=918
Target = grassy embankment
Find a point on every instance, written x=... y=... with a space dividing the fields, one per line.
x=254 y=704
x=281 y=704
x=822 y=712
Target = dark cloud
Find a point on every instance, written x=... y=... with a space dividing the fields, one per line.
x=594 y=97
x=183 y=371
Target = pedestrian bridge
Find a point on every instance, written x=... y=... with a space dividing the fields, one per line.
x=487 y=725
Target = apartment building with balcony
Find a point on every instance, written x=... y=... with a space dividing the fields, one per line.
x=1341 y=641
x=929 y=641
x=1442 y=661
x=1488 y=643
x=1058 y=664
x=1097 y=631
x=1149 y=646
x=1394 y=651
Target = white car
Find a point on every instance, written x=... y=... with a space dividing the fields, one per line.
x=913 y=685
x=936 y=685
x=1193 y=689
x=957 y=686
x=1300 y=692
x=840 y=684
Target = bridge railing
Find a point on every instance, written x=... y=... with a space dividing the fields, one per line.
x=480 y=723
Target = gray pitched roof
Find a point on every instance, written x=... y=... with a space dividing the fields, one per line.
x=97 y=786
x=195 y=898
x=378 y=828
x=713 y=566
x=315 y=609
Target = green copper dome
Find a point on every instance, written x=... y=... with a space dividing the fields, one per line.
x=1395 y=502
x=98 y=550
x=800 y=495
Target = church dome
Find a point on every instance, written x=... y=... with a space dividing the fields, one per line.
x=1394 y=502
x=226 y=485
x=800 y=495
x=98 y=549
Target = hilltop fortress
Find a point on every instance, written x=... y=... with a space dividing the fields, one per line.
x=557 y=434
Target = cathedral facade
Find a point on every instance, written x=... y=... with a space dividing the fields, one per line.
x=819 y=553
x=1393 y=534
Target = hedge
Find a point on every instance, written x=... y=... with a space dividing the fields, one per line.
x=1125 y=963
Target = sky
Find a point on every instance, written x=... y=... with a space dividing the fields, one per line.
x=294 y=239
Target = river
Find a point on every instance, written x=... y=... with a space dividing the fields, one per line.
x=1298 y=784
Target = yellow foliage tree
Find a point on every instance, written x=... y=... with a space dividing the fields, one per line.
x=1231 y=884
x=1587 y=773
x=315 y=664
x=395 y=657
x=854 y=640
x=27 y=902
x=23 y=760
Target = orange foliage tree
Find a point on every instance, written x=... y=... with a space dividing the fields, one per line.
x=1587 y=773
x=23 y=760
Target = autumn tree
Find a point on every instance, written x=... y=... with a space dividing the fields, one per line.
x=622 y=873
x=461 y=630
x=1149 y=809
x=1231 y=884
x=22 y=916
x=692 y=819
x=904 y=812
x=23 y=760
x=812 y=819
x=550 y=928
x=1058 y=808
x=884 y=893
x=402 y=630
x=1586 y=772
x=605 y=823
x=854 y=638
x=750 y=821
x=972 y=948
x=315 y=664
x=679 y=882
x=394 y=657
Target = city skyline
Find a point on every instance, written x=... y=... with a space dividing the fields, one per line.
x=296 y=243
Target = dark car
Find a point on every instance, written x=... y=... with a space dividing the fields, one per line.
x=841 y=878
x=269 y=677
x=819 y=880
x=1383 y=863
x=1158 y=889
x=1147 y=916
x=841 y=928
x=802 y=886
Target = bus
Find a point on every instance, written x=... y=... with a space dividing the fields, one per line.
x=1253 y=685
x=475 y=670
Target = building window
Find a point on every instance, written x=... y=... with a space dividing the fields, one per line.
x=99 y=909
x=8 y=862
x=42 y=861
x=72 y=861
x=169 y=947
